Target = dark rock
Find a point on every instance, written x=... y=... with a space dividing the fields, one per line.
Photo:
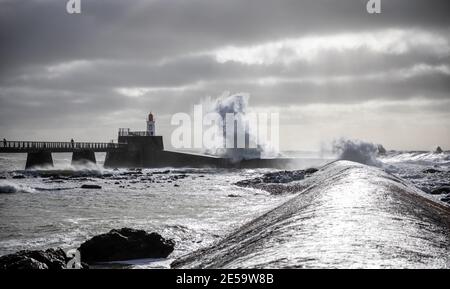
x=441 y=190
x=431 y=171
x=310 y=171
x=53 y=259
x=176 y=185
x=438 y=150
x=426 y=189
x=18 y=177
x=284 y=176
x=57 y=177
x=381 y=149
x=125 y=244
x=91 y=187
x=446 y=199
x=276 y=178
x=233 y=196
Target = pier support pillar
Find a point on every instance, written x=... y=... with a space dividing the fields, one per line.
x=83 y=157
x=42 y=158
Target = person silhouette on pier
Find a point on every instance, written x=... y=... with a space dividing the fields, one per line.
x=4 y=142
x=72 y=142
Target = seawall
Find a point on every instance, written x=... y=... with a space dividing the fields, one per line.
x=349 y=216
x=148 y=152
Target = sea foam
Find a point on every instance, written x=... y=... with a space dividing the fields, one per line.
x=11 y=188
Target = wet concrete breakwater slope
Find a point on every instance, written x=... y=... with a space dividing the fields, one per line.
x=350 y=215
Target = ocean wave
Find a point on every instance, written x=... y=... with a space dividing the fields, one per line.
x=418 y=157
x=357 y=151
x=12 y=188
x=70 y=171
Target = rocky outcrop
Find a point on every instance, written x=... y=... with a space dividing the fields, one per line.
x=431 y=171
x=125 y=244
x=280 y=177
x=53 y=259
x=116 y=245
x=441 y=190
x=438 y=150
x=274 y=183
x=381 y=149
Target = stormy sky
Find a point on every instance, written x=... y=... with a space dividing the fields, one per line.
x=328 y=67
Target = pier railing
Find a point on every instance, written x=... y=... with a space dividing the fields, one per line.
x=127 y=132
x=28 y=146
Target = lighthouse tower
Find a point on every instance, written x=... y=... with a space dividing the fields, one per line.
x=150 y=125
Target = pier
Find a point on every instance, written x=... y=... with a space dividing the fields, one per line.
x=134 y=149
x=39 y=153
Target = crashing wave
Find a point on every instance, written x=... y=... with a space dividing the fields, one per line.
x=422 y=157
x=357 y=151
x=12 y=188
x=237 y=105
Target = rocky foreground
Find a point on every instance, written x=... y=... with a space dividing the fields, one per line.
x=344 y=215
x=125 y=244
x=53 y=259
x=116 y=245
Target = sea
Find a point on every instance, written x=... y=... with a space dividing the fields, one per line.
x=47 y=207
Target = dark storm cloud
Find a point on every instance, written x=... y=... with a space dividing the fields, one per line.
x=83 y=75
x=120 y=56
x=42 y=32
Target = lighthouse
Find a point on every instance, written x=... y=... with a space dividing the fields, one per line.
x=150 y=125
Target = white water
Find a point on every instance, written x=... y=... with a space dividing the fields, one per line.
x=356 y=151
x=238 y=106
x=39 y=212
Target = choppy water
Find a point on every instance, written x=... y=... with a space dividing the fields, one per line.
x=41 y=211
x=413 y=166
